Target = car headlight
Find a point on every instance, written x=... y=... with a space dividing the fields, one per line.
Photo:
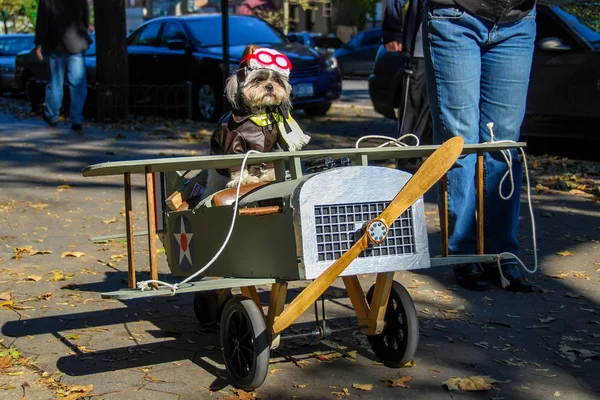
x=331 y=62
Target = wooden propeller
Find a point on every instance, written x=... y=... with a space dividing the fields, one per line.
x=376 y=231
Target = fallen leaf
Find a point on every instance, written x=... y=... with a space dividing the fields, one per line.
x=556 y=394
x=564 y=253
x=573 y=296
x=109 y=221
x=73 y=336
x=401 y=382
x=6 y=361
x=72 y=254
x=546 y=320
x=153 y=379
x=35 y=278
x=300 y=386
x=366 y=387
x=38 y=206
x=470 y=384
x=562 y=275
x=409 y=364
x=45 y=296
x=4 y=296
x=6 y=304
x=62 y=188
x=15 y=373
x=36 y=252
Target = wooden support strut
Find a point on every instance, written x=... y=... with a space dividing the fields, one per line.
x=151 y=213
x=480 y=195
x=444 y=215
x=251 y=293
x=378 y=306
x=131 y=281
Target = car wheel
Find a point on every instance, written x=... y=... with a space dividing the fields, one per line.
x=209 y=104
x=318 y=110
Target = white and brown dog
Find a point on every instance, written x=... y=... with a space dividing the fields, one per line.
x=259 y=94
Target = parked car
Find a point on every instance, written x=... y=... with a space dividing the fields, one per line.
x=565 y=76
x=173 y=50
x=10 y=46
x=324 y=43
x=358 y=55
x=176 y=50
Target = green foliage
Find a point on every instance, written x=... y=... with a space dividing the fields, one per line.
x=20 y=13
x=356 y=12
x=14 y=353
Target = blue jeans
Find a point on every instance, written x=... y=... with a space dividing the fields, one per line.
x=76 y=77
x=478 y=72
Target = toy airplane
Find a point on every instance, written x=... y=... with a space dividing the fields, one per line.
x=335 y=222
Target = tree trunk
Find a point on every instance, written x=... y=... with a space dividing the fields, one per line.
x=4 y=16
x=112 y=71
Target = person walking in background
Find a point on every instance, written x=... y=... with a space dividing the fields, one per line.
x=62 y=36
x=402 y=33
x=478 y=56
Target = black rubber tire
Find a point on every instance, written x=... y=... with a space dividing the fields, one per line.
x=245 y=344
x=397 y=343
x=318 y=110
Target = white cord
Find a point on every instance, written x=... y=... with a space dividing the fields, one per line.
x=388 y=140
x=145 y=284
x=508 y=159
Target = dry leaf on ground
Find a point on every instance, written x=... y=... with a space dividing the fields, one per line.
x=36 y=252
x=400 y=382
x=72 y=254
x=360 y=386
x=564 y=253
x=34 y=278
x=62 y=188
x=6 y=361
x=5 y=296
x=470 y=384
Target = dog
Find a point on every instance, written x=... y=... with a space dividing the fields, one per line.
x=259 y=94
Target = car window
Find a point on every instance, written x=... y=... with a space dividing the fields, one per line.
x=584 y=18
x=11 y=46
x=327 y=42
x=547 y=26
x=242 y=31
x=147 y=35
x=172 y=31
x=371 y=38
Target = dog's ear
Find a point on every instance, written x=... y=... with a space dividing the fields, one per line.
x=231 y=91
x=250 y=49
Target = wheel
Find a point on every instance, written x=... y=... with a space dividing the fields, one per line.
x=397 y=343
x=317 y=110
x=245 y=343
x=209 y=104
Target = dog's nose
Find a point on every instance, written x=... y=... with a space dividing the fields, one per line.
x=269 y=86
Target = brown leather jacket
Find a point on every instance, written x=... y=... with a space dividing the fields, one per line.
x=236 y=134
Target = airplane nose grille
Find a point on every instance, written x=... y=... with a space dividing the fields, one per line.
x=339 y=226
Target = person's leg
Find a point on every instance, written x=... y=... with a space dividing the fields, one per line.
x=57 y=63
x=78 y=88
x=506 y=65
x=453 y=68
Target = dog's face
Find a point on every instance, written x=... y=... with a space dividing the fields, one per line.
x=260 y=88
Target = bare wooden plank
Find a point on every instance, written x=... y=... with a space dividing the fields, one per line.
x=251 y=293
x=151 y=214
x=131 y=281
x=479 y=195
x=381 y=294
x=357 y=297
x=276 y=302
x=444 y=214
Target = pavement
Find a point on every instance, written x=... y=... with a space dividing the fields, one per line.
x=74 y=344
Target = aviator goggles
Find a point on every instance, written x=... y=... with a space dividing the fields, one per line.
x=267 y=59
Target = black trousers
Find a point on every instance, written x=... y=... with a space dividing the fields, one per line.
x=414 y=115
